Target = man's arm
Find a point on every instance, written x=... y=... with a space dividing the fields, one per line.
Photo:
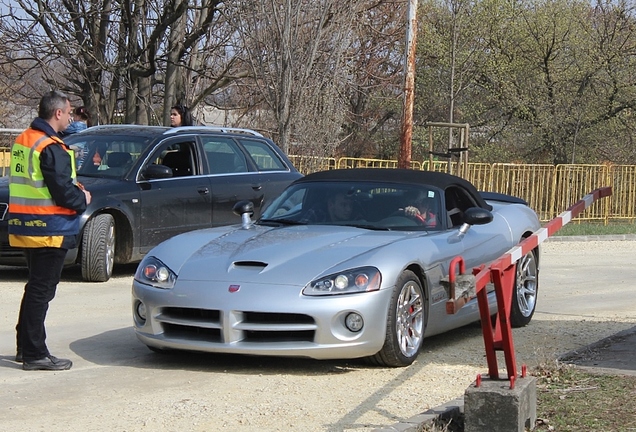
x=55 y=163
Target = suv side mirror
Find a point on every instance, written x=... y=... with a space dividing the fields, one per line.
x=155 y=171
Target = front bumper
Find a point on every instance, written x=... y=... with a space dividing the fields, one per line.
x=12 y=256
x=259 y=320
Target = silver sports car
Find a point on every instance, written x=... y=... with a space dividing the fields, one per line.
x=344 y=264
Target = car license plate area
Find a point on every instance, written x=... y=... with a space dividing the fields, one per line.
x=191 y=324
x=177 y=331
x=267 y=327
x=259 y=327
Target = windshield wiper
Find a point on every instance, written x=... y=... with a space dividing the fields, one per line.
x=368 y=226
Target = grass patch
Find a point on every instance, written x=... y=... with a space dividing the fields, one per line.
x=579 y=229
x=569 y=399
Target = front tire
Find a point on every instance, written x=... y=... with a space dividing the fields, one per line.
x=98 y=248
x=405 y=325
x=524 y=295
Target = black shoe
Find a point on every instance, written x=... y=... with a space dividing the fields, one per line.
x=48 y=363
x=18 y=356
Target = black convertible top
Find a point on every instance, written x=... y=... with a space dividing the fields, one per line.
x=404 y=176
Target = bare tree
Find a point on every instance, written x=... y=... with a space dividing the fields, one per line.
x=376 y=82
x=295 y=52
x=117 y=55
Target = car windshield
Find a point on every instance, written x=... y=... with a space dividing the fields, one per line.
x=110 y=156
x=371 y=205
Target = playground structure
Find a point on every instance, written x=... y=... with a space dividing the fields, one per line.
x=459 y=151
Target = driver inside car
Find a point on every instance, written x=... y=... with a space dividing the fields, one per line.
x=422 y=208
x=339 y=207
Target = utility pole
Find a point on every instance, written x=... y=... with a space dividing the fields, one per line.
x=404 y=158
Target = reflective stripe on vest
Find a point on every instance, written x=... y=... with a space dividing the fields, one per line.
x=32 y=210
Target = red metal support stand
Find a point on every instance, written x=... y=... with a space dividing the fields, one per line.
x=502 y=274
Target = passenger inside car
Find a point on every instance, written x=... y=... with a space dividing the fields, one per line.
x=338 y=207
x=94 y=159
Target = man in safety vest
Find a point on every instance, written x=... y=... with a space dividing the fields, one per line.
x=45 y=204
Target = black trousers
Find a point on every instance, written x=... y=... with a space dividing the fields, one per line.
x=45 y=269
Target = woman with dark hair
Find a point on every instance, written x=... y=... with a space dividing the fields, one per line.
x=81 y=120
x=180 y=115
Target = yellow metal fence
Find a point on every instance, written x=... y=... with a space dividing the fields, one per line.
x=549 y=189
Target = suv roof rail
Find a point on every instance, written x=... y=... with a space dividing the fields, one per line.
x=178 y=129
x=214 y=129
x=112 y=125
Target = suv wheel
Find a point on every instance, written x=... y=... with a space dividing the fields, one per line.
x=98 y=248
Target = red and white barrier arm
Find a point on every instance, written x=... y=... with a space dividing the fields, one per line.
x=531 y=242
x=501 y=273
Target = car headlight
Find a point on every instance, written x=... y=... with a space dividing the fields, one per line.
x=357 y=280
x=152 y=271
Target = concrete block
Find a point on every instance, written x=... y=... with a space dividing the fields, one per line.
x=494 y=407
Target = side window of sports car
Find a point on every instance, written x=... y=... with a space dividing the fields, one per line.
x=457 y=201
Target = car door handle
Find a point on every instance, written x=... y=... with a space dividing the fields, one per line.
x=203 y=190
x=257 y=187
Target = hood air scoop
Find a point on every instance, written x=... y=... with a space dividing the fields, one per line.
x=256 y=265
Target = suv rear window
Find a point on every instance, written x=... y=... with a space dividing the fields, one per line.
x=264 y=157
x=223 y=156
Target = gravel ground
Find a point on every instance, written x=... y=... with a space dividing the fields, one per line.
x=116 y=384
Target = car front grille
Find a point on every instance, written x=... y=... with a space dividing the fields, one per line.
x=7 y=251
x=235 y=326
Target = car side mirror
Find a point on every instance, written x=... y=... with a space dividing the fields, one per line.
x=474 y=216
x=245 y=209
x=477 y=216
x=155 y=171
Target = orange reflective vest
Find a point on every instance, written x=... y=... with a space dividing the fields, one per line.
x=34 y=218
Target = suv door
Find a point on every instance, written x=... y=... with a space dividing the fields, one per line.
x=272 y=174
x=230 y=178
x=181 y=203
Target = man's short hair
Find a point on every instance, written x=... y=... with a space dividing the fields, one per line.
x=51 y=102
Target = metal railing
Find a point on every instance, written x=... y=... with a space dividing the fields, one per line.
x=548 y=189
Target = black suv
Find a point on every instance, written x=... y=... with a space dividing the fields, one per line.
x=150 y=183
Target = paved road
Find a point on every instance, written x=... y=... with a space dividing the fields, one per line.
x=116 y=384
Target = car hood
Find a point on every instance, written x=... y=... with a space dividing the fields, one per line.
x=269 y=255
x=97 y=182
